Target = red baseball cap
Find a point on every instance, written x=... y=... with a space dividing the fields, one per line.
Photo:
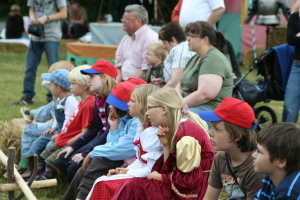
x=232 y=110
x=101 y=67
x=136 y=81
x=120 y=95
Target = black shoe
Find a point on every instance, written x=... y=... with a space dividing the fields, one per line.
x=42 y=177
x=23 y=101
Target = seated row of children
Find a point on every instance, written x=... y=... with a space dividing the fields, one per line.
x=136 y=141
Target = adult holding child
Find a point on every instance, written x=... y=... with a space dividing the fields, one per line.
x=207 y=77
x=130 y=60
x=174 y=40
x=47 y=15
x=183 y=170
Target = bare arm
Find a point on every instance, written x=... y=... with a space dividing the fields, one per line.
x=141 y=73
x=212 y=193
x=215 y=16
x=62 y=14
x=119 y=77
x=176 y=75
x=77 y=136
x=178 y=88
x=209 y=85
x=295 y=7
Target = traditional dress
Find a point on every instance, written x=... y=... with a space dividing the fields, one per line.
x=148 y=150
x=185 y=173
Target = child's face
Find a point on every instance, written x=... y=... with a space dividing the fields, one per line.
x=220 y=137
x=132 y=106
x=167 y=45
x=262 y=163
x=151 y=58
x=96 y=83
x=156 y=114
x=53 y=89
x=112 y=111
x=77 y=89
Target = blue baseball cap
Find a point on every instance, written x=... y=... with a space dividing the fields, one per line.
x=59 y=77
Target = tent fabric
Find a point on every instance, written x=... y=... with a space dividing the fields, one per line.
x=241 y=38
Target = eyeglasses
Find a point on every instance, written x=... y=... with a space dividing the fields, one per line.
x=126 y=19
x=192 y=36
x=149 y=107
x=149 y=54
x=259 y=152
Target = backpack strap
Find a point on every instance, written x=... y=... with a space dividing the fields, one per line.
x=231 y=172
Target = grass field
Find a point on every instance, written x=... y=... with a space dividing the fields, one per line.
x=12 y=67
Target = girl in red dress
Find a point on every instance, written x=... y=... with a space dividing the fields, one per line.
x=182 y=171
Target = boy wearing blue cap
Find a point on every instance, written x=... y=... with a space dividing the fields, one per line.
x=233 y=136
x=65 y=106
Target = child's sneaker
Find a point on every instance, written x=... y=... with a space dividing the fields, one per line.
x=26 y=114
x=24 y=172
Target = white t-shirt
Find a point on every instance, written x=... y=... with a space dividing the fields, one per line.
x=197 y=10
x=70 y=106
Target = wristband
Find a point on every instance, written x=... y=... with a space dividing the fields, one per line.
x=48 y=19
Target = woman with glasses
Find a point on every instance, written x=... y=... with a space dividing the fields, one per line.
x=207 y=77
x=174 y=40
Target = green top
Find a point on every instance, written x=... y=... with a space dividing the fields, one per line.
x=214 y=62
x=157 y=72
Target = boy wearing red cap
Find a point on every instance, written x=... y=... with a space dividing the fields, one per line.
x=233 y=136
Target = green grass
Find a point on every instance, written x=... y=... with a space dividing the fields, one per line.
x=12 y=67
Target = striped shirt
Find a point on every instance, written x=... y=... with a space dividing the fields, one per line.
x=287 y=189
x=177 y=58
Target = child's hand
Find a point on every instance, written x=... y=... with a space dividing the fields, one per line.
x=117 y=171
x=49 y=131
x=67 y=151
x=86 y=162
x=54 y=137
x=155 y=175
x=113 y=121
x=77 y=158
x=163 y=135
x=158 y=81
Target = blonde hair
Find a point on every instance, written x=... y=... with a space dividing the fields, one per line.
x=170 y=98
x=108 y=84
x=79 y=78
x=158 y=49
x=141 y=92
x=61 y=65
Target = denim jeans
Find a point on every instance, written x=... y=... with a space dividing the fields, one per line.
x=45 y=113
x=42 y=143
x=200 y=108
x=33 y=59
x=291 y=103
x=29 y=135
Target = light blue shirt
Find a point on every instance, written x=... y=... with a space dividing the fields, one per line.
x=119 y=145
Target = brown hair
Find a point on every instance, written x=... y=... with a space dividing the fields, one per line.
x=172 y=29
x=247 y=136
x=282 y=141
x=204 y=29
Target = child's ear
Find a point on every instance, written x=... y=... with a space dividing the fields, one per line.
x=159 y=57
x=164 y=110
x=238 y=138
x=281 y=164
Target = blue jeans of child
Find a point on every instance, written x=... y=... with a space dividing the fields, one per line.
x=33 y=59
x=45 y=113
x=29 y=135
x=291 y=103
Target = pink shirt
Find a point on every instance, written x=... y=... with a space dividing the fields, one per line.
x=131 y=51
